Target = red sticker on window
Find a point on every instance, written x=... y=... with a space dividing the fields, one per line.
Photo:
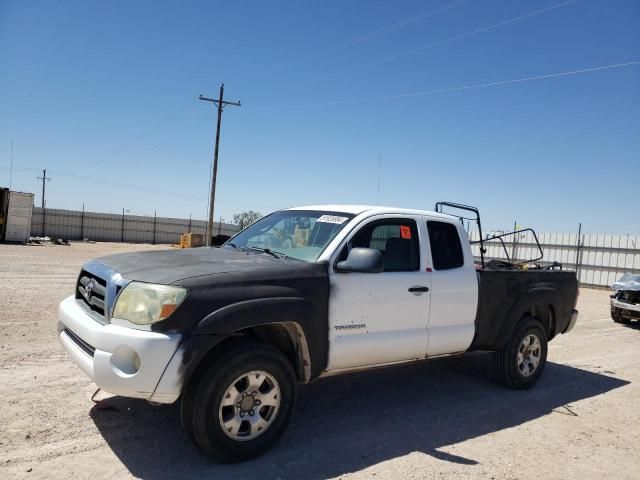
x=405 y=232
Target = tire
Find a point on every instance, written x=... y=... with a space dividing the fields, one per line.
x=521 y=372
x=617 y=317
x=248 y=425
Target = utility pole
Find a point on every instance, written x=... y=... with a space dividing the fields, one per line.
x=44 y=179
x=220 y=104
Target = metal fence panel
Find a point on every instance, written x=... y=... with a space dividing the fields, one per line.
x=110 y=227
x=599 y=259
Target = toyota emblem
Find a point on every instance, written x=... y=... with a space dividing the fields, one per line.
x=88 y=289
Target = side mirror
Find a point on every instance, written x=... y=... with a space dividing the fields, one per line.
x=364 y=260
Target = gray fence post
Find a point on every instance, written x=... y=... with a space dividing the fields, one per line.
x=515 y=243
x=82 y=224
x=578 y=252
x=122 y=229
x=154 y=227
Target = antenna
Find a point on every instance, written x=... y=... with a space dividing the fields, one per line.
x=379 y=168
x=11 y=166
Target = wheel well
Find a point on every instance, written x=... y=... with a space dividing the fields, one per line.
x=287 y=337
x=546 y=315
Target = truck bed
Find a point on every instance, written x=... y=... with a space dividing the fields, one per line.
x=506 y=295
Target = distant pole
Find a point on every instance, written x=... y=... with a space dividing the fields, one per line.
x=11 y=166
x=220 y=227
x=220 y=104
x=82 y=224
x=122 y=229
x=44 y=179
x=154 y=226
x=189 y=223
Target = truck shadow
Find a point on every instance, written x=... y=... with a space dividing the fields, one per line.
x=634 y=325
x=348 y=423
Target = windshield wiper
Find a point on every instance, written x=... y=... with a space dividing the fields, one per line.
x=232 y=245
x=273 y=253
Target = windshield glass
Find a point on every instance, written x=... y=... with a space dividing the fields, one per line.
x=298 y=234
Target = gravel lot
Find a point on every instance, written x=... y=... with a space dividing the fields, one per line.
x=440 y=419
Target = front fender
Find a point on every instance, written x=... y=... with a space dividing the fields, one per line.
x=232 y=318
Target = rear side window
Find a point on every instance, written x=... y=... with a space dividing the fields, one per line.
x=446 y=249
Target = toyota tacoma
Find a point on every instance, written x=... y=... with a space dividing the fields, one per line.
x=301 y=294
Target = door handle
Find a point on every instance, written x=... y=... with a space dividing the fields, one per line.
x=419 y=289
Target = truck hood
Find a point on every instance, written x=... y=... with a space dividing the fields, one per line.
x=170 y=266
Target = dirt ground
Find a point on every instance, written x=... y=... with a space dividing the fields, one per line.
x=440 y=419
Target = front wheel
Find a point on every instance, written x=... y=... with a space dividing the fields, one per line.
x=520 y=364
x=239 y=404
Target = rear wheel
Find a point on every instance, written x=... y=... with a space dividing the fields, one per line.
x=239 y=405
x=521 y=362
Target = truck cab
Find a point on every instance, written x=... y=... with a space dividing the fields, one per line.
x=414 y=308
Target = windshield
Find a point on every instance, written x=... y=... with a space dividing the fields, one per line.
x=298 y=234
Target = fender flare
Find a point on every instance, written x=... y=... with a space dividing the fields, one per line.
x=540 y=295
x=253 y=313
x=226 y=322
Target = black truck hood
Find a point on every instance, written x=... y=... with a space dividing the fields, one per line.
x=170 y=266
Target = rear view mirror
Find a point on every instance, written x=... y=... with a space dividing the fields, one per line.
x=364 y=260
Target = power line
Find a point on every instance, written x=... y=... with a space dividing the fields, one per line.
x=395 y=26
x=468 y=87
x=447 y=40
x=139 y=188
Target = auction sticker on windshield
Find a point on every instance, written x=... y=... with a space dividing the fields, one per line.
x=332 y=219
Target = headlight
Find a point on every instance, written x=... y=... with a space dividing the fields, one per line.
x=145 y=303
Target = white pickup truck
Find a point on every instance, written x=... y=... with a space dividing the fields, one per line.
x=301 y=294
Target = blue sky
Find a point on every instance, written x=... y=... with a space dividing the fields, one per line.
x=104 y=95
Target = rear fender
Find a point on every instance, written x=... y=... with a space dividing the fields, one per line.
x=536 y=297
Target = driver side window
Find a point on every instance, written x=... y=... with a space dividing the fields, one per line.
x=396 y=239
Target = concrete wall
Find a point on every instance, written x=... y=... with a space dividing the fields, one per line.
x=599 y=261
x=107 y=227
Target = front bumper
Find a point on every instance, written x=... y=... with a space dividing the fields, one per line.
x=572 y=321
x=626 y=310
x=120 y=360
x=632 y=307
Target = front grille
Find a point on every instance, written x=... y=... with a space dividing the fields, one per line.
x=88 y=349
x=92 y=290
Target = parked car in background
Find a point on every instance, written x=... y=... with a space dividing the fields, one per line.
x=625 y=302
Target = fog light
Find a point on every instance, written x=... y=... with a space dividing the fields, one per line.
x=125 y=361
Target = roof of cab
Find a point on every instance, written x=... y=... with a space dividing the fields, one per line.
x=372 y=210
